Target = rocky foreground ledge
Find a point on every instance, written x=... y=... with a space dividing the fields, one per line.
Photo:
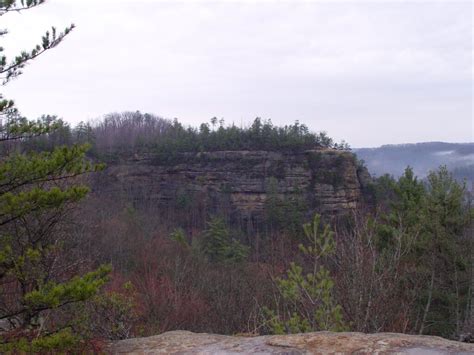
x=184 y=342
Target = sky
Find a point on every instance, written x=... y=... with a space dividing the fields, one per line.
x=369 y=72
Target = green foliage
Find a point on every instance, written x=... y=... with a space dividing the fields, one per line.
x=309 y=297
x=179 y=236
x=295 y=323
x=62 y=341
x=384 y=191
x=261 y=135
x=320 y=244
x=322 y=172
x=423 y=226
x=53 y=295
x=112 y=314
x=37 y=191
x=127 y=133
x=50 y=39
x=218 y=245
x=403 y=201
x=442 y=250
x=22 y=169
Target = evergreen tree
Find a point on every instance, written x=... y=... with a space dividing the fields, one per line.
x=444 y=256
x=308 y=296
x=219 y=246
x=37 y=191
x=422 y=229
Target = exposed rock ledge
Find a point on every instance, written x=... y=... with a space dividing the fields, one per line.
x=184 y=342
x=328 y=181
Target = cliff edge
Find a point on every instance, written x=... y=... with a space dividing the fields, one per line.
x=328 y=181
x=184 y=342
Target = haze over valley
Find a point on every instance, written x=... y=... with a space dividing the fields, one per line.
x=422 y=157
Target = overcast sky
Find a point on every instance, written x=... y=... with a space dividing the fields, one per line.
x=371 y=73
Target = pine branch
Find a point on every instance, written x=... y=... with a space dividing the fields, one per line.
x=49 y=40
x=12 y=6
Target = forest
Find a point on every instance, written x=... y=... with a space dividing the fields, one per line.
x=402 y=263
x=79 y=267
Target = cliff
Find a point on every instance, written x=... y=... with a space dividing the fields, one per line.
x=183 y=342
x=328 y=181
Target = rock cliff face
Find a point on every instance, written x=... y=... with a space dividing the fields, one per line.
x=183 y=342
x=328 y=181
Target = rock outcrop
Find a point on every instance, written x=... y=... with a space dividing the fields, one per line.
x=329 y=181
x=184 y=342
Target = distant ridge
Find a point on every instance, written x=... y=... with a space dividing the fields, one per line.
x=422 y=157
x=433 y=143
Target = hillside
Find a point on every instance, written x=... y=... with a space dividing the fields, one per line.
x=259 y=230
x=422 y=157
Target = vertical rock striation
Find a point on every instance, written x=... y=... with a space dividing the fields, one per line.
x=329 y=181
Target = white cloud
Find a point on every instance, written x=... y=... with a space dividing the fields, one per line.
x=368 y=72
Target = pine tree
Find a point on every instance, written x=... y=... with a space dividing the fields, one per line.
x=444 y=255
x=219 y=246
x=423 y=231
x=37 y=191
x=309 y=303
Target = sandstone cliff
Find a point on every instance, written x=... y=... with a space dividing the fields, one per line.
x=329 y=181
x=183 y=342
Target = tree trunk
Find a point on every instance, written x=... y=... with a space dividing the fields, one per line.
x=428 y=302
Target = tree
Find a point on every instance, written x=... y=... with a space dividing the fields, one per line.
x=37 y=192
x=219 y=246
x=444 y=255
x=309 y=301
x=421 y=235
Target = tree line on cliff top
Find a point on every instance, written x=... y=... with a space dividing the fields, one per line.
x=127 y=133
